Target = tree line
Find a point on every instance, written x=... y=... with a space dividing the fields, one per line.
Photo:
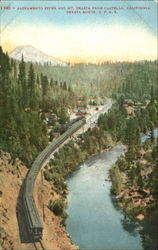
x=139 y=80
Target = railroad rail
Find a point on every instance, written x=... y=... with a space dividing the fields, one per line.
x=39 y=245
x=33 y=221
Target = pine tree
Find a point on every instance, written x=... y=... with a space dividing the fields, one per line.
x=5 y=80
x=38 y=80
x=51 y=82
x=152 y=95
x=32 y=88
x=22 y=86
x=15 y=70
x=45 y=85
x=61 y=85
x=64 y=86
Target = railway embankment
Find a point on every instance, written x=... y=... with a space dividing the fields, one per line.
x=54 y=234
x=12 y=175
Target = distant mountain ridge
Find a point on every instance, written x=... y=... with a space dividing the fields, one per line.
x=34 y=55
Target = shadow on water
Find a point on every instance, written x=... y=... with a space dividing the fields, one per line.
x=100 y=156
x=114 y=201
x=104 y=155
x=89 y=162
x=147 y=228
x=23 y=231
x=149 y=231
x=92 y=160
x=128 y=224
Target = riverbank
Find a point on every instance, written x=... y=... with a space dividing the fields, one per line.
x=134 y=183
x=135 y=187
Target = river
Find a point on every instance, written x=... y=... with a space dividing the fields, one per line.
x=94 y=220
x=148 y=135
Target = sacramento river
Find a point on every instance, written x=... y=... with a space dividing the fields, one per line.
x=94 y=220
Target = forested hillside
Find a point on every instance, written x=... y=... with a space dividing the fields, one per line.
x=23 y=96
x=137 y=84
x=132 y=79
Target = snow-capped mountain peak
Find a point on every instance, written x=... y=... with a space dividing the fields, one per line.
x=34 y=55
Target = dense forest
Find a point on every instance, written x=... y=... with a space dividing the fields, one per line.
x=24 y=96
x=126 y=127
x=137 y=84
x=134 y=80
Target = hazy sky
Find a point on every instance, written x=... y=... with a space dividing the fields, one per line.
x=129 y=34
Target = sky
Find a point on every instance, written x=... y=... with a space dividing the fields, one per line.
x=96 y=33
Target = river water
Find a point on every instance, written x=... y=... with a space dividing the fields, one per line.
x=94 y=220
x=147 y=136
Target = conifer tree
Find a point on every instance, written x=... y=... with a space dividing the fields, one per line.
x=32 y=88
x=22 y=84
x=51 y=82
x=5 y=81
x=64 y=86
x=38 y=80
x=44 y=84
x=152 y=95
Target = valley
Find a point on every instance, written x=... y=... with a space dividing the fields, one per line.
x=41 y=101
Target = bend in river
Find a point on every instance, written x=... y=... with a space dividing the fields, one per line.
x=94 y=221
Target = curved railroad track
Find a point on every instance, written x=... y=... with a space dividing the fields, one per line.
x=33 y=221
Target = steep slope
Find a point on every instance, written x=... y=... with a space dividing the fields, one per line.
x=11 y=179
x=12 y=174
x=32 y=54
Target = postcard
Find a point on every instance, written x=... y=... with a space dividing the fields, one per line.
x=78 y=125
